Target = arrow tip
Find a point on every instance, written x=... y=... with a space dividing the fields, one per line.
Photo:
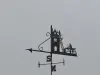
x=30 y=50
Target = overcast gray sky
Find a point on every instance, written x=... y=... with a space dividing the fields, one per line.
x=23 y=24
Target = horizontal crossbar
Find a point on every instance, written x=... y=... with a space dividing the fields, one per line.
x=59 y=53
x=52 y=63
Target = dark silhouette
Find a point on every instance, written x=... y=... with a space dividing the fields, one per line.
x=56 y=43
x=30 y=50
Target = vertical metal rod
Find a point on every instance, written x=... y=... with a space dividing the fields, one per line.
x=51 y=48
x=51 y=63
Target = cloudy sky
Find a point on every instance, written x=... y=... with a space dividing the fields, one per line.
x=23 y=24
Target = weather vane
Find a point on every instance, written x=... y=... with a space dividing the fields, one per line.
x=56 y=44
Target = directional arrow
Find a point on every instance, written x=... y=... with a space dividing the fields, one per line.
x=37 y=50
x=30 y=50
x=59 y=53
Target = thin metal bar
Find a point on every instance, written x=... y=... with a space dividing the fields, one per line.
x=40 y=51
x=51 y=48
x=60 y=53
x=52 y=63
x=43 y=42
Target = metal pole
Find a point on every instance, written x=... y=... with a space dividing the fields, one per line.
x=51 y=48
x=51 y=63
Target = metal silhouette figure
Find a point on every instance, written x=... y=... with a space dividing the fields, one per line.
x=56 y=43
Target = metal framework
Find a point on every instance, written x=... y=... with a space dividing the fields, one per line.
x=56 y=43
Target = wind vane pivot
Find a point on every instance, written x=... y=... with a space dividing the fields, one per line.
x=56 y=43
